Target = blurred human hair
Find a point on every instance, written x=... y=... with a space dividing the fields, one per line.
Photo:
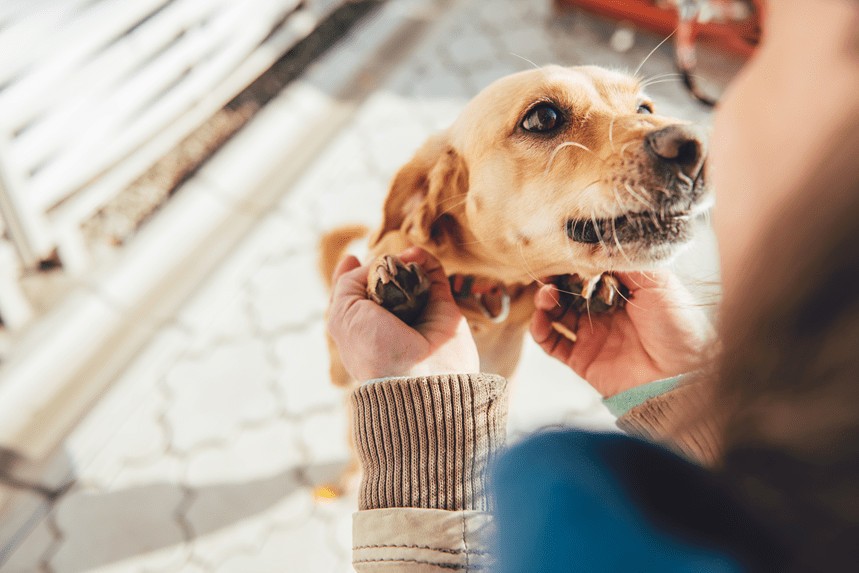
x=787 y=379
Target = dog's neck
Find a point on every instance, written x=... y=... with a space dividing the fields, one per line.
x=492 y=298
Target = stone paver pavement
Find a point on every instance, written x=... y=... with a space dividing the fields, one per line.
x=204 y=455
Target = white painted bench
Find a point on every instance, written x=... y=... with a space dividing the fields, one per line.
x=94 y=92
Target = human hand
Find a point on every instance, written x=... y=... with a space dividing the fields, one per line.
x=374 y=343
x=658 y=334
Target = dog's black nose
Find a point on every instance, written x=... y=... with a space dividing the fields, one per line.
x=683 y=147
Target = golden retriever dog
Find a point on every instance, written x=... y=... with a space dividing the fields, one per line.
x=547 y=172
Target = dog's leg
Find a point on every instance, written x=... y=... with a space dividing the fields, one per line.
x=339 y=376
x=500 y=345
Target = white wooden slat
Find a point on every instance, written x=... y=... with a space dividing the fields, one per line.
x=89 y=139
x=109 y=140
x=14 y=307
x=84 y=204
x=151 y=124
x=12 y=10
x=25 y=225
x=73 y=29
x=28 y=17
x=79 y=102
x=21 y=45
x=73 y=44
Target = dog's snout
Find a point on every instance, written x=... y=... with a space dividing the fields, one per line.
x=683 y=147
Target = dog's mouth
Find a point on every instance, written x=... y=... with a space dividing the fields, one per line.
x=647 y=226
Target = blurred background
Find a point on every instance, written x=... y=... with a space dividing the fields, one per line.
x=167 y=168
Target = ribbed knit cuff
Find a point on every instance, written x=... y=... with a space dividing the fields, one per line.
x=425 y=442
x=674 y=419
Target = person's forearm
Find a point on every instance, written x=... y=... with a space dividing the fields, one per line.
x=424 y=446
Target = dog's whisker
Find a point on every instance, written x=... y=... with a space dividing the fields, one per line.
x=628 y=301
x=611 y=133
x=655 y=221
x=526 y=59
x=665 y=191
x=452 y=197
x=617 y=200
x=614 y=226
x=657 y=82
x=649 y=276
x=635 y=282
x=686 y=179
x=449 y=209
x=653 y=51
x=562 y=146
x=560 y=290
x=617 y=242
x=645 y=81
x=527 y=267
x=625 y=147
x=588 y=308
x=531 y=273
x=661 y=209
x=600 y=240
x=637 y=197
x=667 y=77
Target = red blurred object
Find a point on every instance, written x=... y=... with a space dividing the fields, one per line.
x=739 y=37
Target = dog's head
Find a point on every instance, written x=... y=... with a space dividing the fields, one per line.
x=554 y=171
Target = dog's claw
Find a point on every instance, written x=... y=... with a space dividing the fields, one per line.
x=401 y=288
x=601 y=294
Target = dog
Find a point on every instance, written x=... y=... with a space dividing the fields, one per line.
x=557 y=172
x=548 y=172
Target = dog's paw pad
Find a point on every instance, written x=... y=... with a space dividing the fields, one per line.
x=608 y=294
x=571 y=289
x=601 y=294
x=401 y=288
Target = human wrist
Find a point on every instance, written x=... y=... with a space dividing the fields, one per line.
x=426 y=441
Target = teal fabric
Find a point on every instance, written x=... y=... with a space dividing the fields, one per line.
x=620 y=404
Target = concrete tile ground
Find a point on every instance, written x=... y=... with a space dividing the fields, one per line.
x=204 y=455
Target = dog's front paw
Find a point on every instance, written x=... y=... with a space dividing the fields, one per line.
x=401 y=288
x=601 y=294
x=608 y=294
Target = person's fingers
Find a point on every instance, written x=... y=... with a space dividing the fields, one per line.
x=550 y=340
x=345 y=265
x=541 y=326
x=351 y=287
x=550 y=300
x=559 y=347
x=546 y=335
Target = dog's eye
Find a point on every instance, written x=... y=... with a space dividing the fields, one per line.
x=645 y=108
x=543 y=118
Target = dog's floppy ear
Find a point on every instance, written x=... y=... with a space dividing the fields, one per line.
x=428 y=185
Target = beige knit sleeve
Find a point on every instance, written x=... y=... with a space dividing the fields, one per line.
x=426 y=442
x=674 y=419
